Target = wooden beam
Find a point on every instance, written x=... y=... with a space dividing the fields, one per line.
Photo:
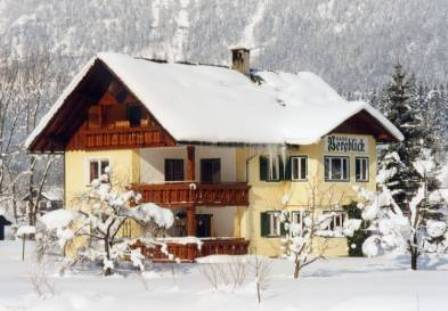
x=191 y=163
x=191 y=220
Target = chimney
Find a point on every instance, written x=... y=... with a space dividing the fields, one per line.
x=241 y=60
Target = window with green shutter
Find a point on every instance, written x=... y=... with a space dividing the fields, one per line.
x=271 y=225
x=264 y=168
x=273 y=169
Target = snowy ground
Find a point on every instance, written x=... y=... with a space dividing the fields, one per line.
x=334 y=284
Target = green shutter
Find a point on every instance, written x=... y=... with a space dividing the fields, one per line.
x=264 y=168
x=288 y=169
x=264 y=224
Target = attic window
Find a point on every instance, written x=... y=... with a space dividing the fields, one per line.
x=134 y=116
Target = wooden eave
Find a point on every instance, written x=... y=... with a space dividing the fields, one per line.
x=363 y=123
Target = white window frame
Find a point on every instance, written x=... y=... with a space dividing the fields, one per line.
x=364 y=167
x=99 y=160
x=274 y=224
x=296 y=163
x=345 y=168
x=337 y=215
x=274 y=168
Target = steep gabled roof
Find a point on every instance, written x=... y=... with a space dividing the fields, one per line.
x=209 y=104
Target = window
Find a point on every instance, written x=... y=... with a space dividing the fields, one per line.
x=362 y=169
x=97 y=167
x=337 y=168
x=271 y=168
x=270 y=224
x=211 y=171
x=298 y=217
x=134 y=115
x=336 y=221
x=299 y=168
x=174 y=169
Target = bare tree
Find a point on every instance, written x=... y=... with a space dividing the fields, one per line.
x=262 y=269
x=300 y=237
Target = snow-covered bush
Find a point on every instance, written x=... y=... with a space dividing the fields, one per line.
x=92 y=227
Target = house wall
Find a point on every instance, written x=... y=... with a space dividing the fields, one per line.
x=267 y=196
x=147 y=165
x=124 y=163
x=152 y=161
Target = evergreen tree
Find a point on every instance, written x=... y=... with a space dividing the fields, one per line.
x=411 y=164
x=400 y=110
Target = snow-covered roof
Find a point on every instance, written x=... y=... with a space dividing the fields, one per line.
x=198 y=103
x=49 y=193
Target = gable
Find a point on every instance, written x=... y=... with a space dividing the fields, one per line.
x=365 y=124
x=101 y=113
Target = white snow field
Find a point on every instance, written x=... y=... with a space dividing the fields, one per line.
x=348 y=284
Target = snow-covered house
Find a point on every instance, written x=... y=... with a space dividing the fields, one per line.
x=50 y=198
x=219 y=146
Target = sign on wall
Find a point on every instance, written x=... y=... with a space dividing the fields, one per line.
x=346 y=144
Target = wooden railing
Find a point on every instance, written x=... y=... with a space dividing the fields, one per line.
x=188 y=252
x=181 y=194
x=117 y=138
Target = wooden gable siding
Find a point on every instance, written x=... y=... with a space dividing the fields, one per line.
x=363 y=123
x=108 y=125
x=69 y=128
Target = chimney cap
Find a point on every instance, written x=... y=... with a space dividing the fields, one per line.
x=239 y=47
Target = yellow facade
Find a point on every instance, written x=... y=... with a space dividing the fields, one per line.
x=264 y=196
x=267 y=196
x=125 y=166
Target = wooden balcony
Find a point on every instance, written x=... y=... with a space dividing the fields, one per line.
x=185 y=194
x=188 y=252
x=119 y=138
x=123 y=138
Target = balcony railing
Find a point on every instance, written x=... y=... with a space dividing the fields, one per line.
x=119 y=138
x=188 y=252
x=183 y=194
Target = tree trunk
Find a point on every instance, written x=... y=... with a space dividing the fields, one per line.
x=414 y=258
x=297 y=269
x=23 y=248
x=108 y=270
x=414 y=253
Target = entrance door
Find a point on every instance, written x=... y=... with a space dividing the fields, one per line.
x=203 y=225
x=210 y=171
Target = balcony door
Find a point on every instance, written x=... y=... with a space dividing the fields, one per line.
x=203 y=225
x=211 y=171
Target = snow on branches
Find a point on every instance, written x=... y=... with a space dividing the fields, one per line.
x=93 y=227
x=418 y=228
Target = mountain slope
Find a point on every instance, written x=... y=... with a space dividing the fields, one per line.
x=351 y=43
